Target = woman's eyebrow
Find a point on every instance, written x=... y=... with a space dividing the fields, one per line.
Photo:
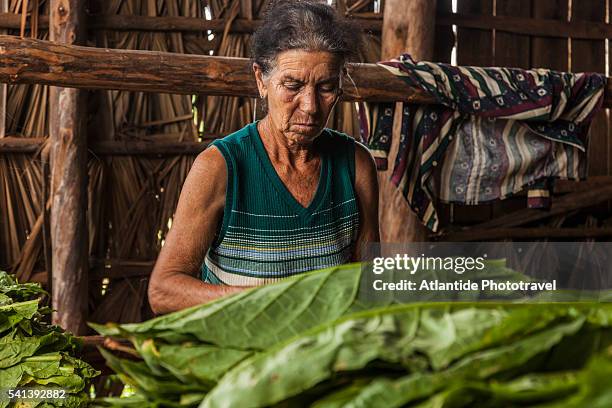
x=289 y=78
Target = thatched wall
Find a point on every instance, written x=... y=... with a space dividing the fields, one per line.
x=131 y=198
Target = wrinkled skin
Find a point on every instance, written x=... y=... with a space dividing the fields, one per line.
x=301 y=92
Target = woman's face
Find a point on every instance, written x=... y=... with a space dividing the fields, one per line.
x=301 y=92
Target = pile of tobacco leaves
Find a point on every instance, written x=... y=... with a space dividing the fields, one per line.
x=313 y=341
x=35 y=355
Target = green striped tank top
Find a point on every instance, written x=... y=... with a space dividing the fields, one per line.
x=266 y=234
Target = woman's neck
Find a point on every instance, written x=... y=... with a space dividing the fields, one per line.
x=281 y=148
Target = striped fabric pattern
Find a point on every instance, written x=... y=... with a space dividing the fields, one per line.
x=494 y=132
x=266 y=234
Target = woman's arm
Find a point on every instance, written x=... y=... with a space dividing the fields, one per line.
x=366 y=186
x=175 y=282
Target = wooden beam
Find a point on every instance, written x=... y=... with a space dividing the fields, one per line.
x=119 y=269
x=10 y=144
x=517 y=25
x=30 y=61
x=529 y=26
x=117 y=22
x=13 y=144
x=4 y=6
x=157 y=148
x=36 y=61
x=571 y=186
x=25 y=60
x=523 y=233
x=68 y=224
x=561 y=205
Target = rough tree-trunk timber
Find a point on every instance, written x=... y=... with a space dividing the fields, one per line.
x=35 y=61
x=3 y=87
x=28 y=61
x=68 y=182
x=408 y=26
x=117 y=22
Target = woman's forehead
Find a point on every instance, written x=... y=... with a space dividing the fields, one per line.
x=301 y=63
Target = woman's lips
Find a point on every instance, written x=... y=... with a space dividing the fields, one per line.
x=309 y=125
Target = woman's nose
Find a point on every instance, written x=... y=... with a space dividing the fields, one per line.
x=309 y=102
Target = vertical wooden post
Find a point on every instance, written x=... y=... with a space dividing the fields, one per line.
x=69 y=239
x=4 y=6
x=408 y=26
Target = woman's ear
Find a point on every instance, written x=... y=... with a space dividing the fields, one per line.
x=261 y=86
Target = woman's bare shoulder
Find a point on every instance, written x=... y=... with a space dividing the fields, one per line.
x=207 y=179
x=364 y=161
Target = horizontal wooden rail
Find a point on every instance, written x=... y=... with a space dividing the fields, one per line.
x=524 y=233
x=586 y=30
x=562 y=205
x=24 y=61
x=35 y=61
x=118 y=22
x=13 y=144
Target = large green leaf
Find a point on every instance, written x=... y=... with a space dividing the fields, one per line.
x=34 y=353
x=392 y=335
x=18 y=292
x=12 y=314
x=258 y=319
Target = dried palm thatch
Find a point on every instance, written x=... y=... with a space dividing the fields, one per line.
x=137 y=196
x=131 y=199
x=21 y=175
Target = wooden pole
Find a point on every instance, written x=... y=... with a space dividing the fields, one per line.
x=3 y=87
x=69 y=239
x=35 y=61
x=28 y=61
x=473 y=234
x=408 y=26
x=171 y=24
x=540 y=27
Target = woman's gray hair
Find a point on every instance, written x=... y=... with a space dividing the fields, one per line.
x=304 y=25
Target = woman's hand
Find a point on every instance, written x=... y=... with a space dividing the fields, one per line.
x=175 y=283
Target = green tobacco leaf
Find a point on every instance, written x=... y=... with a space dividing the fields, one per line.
x=476 y=366
x=391 y=335
x=595 y=390
x=203 y=363
x=19 y=292
x=348 y=345
x=135 y=401
x=137 y=374
x=12 y=314
x=257 y=319
x=533 y=388
x=341 y=397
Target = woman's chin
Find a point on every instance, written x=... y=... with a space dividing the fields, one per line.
x=304 y=133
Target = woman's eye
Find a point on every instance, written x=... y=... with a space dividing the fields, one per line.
x=292 y=86
x=328 y=88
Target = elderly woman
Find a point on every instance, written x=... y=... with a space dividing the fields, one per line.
x=281 y=196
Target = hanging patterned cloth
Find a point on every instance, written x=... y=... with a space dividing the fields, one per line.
x=492 y=132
